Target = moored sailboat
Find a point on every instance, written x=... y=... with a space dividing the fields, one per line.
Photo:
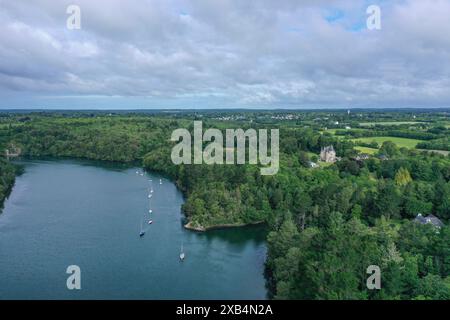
x=182 y=255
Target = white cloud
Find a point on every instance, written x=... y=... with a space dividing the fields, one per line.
x=240 y=53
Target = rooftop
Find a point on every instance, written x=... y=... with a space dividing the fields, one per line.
x=430 y=219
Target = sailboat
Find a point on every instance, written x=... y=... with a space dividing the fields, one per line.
x=142 y=231
x=150 y=202
x=182 y=253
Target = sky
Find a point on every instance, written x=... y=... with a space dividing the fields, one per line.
x=156 y=54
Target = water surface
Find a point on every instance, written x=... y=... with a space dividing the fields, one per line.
x=63 y=213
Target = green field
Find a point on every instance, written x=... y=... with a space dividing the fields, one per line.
x=333 y=131
x=325 y=164
x=366 y=150
x=388 y=123
x=330 y=131
x=400 y=142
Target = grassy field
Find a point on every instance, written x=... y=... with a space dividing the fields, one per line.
x=323 y=164
x=330 y=131
x=366 y=150
x=333 y=131
x=400 y=142
x=387 y=123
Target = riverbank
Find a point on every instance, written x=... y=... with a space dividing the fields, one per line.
x=8 y=174
x=190 y=226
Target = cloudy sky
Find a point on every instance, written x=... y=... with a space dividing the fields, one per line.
x=224 y=54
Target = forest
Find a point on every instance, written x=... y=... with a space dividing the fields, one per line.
x=326 y=224
x=7 y=177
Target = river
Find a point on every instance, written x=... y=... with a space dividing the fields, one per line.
x=89 y=214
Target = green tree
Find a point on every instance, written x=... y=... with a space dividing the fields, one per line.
x=388 y=200
x=402 y=177
x=389 y=149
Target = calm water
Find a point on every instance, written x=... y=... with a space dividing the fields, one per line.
x=63 y=213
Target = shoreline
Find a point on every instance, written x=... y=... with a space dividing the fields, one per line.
x=189 y=226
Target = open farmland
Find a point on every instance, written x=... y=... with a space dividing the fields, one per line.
x=400 y=142
x=389 y=123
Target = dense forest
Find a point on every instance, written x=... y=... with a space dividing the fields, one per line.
x=7 y=177
x=327 y=224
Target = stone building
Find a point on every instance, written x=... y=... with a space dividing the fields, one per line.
x=327 y=154
x=12 y=151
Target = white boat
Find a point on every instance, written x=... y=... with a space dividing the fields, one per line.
x=149 y=196
x=182 y=255
x=160 y=181
x=150 y=211
x=150 y=221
